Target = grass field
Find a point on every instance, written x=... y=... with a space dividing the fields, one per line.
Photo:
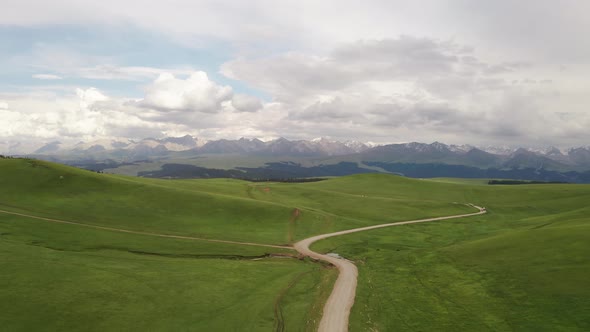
x=523 y=266
x=71 y=278
x=64 y=277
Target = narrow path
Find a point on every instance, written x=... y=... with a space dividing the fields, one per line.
x=279 y=317
x=337 y=308
x=120 y=230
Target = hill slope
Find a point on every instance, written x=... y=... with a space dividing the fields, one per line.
x=221 y=209
x=522 y=266
x=68 y=277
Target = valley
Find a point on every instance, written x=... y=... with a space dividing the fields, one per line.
x=285 y=166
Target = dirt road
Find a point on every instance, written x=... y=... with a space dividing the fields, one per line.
x=337 y=308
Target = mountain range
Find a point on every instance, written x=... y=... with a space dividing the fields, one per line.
x=130 y=150
x=126 y=150
x=434 y=159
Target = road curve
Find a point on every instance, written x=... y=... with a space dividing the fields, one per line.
x=337 y=308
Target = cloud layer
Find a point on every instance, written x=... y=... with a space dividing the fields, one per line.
x=411 y=89
x=170 y=106
x=461 y=72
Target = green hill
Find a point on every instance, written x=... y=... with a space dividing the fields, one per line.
x=522 y=266
x=219 y=208
x=70 y=278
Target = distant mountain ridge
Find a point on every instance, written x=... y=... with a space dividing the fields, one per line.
x=126 y=150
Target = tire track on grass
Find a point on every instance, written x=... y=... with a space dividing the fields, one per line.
x=279 y=317
x=121 y=230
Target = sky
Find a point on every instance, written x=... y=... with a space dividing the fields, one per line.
x=509 y=73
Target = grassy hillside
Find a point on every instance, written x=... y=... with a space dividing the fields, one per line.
x=221 y=209
x=523 y=266
x=71 y=278
x=53 y=190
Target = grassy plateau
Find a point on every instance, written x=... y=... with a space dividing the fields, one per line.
x=522 y=267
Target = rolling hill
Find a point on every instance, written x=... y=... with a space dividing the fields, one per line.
x=522 y=266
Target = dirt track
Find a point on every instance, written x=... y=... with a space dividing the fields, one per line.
x=337 y=308
x=143 y=233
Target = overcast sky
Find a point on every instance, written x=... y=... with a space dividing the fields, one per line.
x=478 y=72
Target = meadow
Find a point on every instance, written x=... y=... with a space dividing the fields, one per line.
x=522 y=266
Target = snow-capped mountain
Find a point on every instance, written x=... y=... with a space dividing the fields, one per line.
x=414 y=152
x=156 y=147
x=464 y=148
x=50 y=148
x=102 y=145
x=498 y=150
x=317 y=147
x=119 y=148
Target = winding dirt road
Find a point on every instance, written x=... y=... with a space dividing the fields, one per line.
x=337 y=308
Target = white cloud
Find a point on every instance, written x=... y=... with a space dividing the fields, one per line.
x=67 y=62
x=195 y=94
x=47 y=77
x=410 y=89
x=500 y=26
x=194 y=105
x=72 y=117
x=404 y=59
x=89 y=96
x=246 y=103
x=114 y=72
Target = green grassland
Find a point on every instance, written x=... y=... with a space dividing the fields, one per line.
x=220 y=208
x=460 y=181
x=522 y=266
x=61 y=277
x=58 y=277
